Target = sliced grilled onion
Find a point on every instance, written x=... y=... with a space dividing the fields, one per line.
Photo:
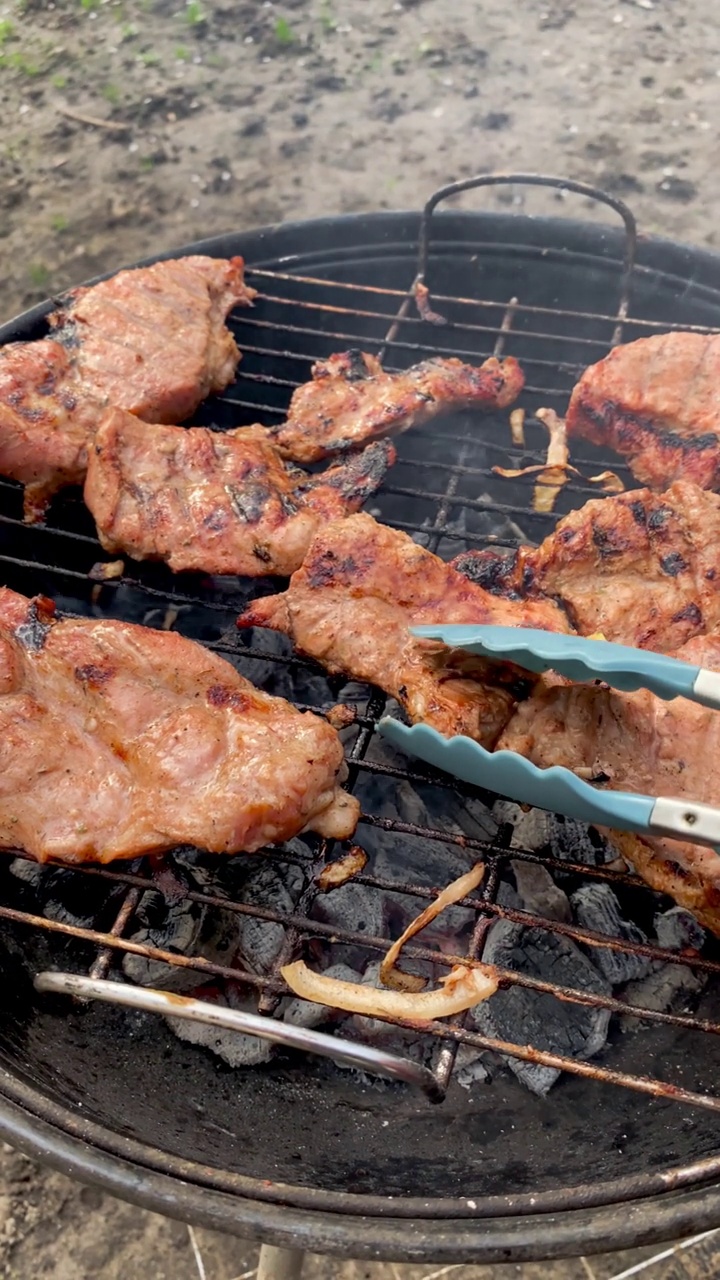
x=460 y=888
x=555 y=471
x=609 y=482
x=517 y=427
x=461 y=988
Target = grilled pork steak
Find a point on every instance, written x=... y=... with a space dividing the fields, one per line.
x=637 y=742
x=152 y=340
x=642 y=568
x=116 y=740
x=351 y=400
x=349 y=606
x=45 y=421
x=213 y=501
x=657 y=402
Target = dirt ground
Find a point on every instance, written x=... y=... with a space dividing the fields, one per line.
x=217 y=116
x=232 y=114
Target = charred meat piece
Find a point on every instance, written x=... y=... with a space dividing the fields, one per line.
x=116 y=740
x=151 y=340
x=216 y=502
x=361 y=586
x=641 y=568
x=45 y=421
x=656 y=402
x=351 y=400
x=637 y=742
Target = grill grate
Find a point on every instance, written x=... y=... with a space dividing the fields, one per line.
x=296 y=319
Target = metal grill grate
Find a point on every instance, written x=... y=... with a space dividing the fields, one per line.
x=297 y=318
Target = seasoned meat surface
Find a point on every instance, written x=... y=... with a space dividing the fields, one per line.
x=213 y=501
x=151 y=340
x=657 y=402
x=349 y=606
x=637 y=742
x=116 y=740
x=351 y=400
x=641 y=568
x=45 y=421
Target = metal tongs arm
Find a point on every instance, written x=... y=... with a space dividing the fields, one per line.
x=558 y=789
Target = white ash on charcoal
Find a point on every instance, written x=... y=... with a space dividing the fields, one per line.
x=278 y=887
x=239 y=1050
x=596 y=907
x=425 y=803
x=186 y=928
x=473 y=1067
x=236 y=1049
x=538 y=893
x=66 y=896
x=531 y=1017
x=678 y=930
x=674 y=988
x=669 y=988
x=562 y=838
x=228 y=877
x=31 y=873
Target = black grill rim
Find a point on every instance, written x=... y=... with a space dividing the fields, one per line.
x=500 y=1239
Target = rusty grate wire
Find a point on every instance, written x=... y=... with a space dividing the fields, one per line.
x=296 y=319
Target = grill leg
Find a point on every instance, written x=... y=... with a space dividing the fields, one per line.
x=280 y=1264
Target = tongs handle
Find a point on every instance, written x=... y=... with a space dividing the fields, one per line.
x=582 y=659
x=556 y=789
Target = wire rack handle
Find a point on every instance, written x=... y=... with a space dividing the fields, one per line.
x=169 y=1005
x=537 y=180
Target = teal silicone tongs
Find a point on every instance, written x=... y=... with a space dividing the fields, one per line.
x=558 y=789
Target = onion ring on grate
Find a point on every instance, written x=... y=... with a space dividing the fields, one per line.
x=461 y=988
x=390 y=976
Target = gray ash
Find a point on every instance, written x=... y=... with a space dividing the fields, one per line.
x=531 y=1017
x=677 y=930
x=596 y=907
x=186 y=928
x=561 y=838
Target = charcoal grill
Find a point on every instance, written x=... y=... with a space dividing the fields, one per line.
x=296 y=1152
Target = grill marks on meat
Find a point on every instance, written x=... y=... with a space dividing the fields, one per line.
x=351 y=400
x=638 y=743
x=45 y=421
x=117 y=740
x=642 y=568
x=349 y=606
x=151 y=340
x=216 y=502
x=656 y=401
